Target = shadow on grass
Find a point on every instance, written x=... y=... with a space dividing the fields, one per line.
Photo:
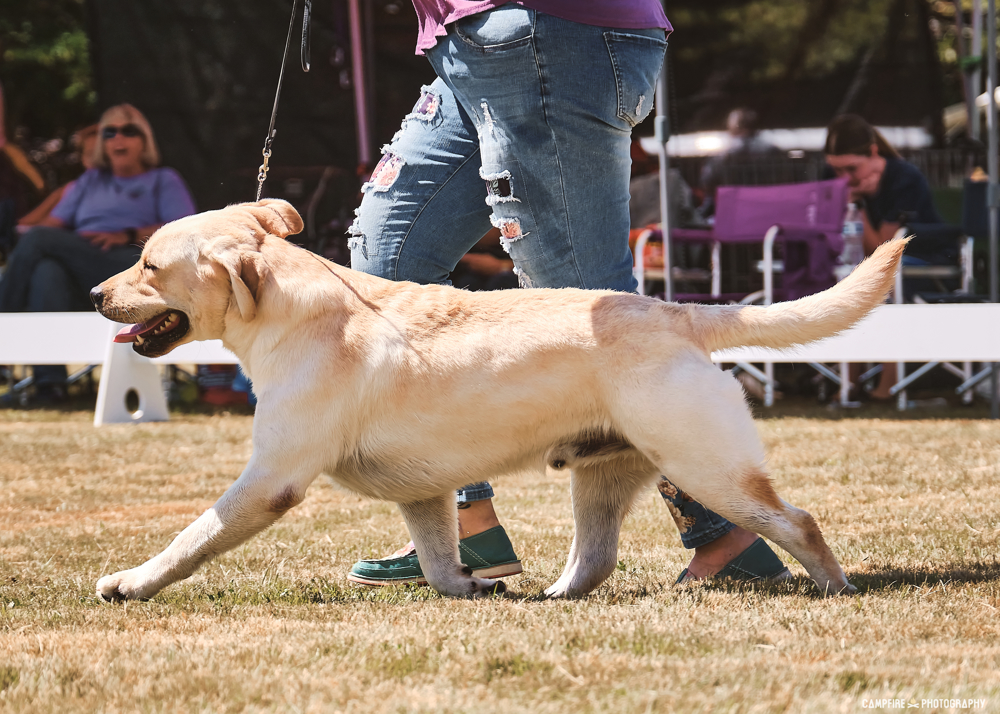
x=905 y=578
x=317 y=591
x=873 y=581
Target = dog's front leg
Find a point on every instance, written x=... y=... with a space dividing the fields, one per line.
x=256 y=500
x=433 y=525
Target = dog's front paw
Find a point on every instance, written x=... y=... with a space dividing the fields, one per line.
x=481 y=587
x=469 y=587
x=834 y=589
x=126 y=585
x=555 y=591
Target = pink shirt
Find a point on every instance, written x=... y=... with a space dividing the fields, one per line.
x=433 y=15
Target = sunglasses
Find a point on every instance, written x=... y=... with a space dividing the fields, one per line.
x=129 y=130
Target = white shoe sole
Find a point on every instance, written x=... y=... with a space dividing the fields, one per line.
x=492 y=572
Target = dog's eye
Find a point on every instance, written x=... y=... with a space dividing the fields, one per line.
x=149 y=266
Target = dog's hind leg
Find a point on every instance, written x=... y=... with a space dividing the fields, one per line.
x=433 y=525
x=693 y=424
x=602 y=497
x=753 y=504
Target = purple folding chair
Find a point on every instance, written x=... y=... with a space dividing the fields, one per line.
x=804 y=219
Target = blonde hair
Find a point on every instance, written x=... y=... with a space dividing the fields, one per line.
x=126 y=114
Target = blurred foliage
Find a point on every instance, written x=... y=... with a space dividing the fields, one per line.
x=945 y=30
x=45 y=67
x=771 y=31
x=797 y=60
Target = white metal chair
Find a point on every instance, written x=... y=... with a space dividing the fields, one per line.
x=935 y=237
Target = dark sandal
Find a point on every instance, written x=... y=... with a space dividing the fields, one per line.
x=757 y=562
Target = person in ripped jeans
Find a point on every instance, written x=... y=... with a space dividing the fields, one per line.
x=536 y=100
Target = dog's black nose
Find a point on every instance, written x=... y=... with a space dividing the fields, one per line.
x=97 y=297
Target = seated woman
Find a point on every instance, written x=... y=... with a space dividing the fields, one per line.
x=885 y=186
x=96 y=230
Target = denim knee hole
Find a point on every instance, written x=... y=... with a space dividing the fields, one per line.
x=426 y=108
x=499 y=187
x=386 y=171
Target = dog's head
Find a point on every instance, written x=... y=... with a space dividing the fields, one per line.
x=194 y=275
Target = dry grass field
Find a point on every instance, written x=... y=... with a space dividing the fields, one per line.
x=909 y=506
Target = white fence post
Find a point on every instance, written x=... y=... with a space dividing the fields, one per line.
x=124 y=371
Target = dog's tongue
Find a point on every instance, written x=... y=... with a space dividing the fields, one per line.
x=130 y=332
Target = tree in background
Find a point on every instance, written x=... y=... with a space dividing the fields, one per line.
x=798 y=63
x=46 y=74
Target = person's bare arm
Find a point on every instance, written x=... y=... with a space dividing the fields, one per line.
x=39 y=213
x=486 y=264
x=51 y=222
x=872 y=238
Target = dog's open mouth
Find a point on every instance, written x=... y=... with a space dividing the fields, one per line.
x=156 y=336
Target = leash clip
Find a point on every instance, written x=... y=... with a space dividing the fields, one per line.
x=262 y=171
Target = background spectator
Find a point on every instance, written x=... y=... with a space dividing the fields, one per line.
x=644 y=194
x=888 y=189
x=745 y=146
x=96 y=230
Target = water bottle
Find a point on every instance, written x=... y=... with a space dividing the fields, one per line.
x=854 y=249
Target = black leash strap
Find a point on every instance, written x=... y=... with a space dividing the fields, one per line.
x=304 y=60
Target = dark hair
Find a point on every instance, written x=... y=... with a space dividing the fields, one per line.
x=850 y=134
x=742 y=119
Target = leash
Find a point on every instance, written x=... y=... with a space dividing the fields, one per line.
x=304 y=54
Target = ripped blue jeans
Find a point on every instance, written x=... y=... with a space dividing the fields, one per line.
x=526 y=128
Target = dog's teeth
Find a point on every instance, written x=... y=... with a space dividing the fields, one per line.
x=139 y=339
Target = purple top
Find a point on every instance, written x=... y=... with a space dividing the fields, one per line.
x=100 y=201
x=433 y=15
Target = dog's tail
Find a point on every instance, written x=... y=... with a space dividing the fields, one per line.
x=806 y=319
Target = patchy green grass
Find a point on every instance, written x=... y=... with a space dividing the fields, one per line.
x=908 y=505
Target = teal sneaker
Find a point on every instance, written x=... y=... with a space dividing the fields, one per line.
x=489 y=554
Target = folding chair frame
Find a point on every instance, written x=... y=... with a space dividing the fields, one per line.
x=963 y=271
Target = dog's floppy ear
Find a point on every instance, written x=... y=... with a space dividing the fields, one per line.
x=247 y=271
x=246 y=268
x=276 y=217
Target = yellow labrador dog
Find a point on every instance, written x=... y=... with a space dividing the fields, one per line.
x=405 y=392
